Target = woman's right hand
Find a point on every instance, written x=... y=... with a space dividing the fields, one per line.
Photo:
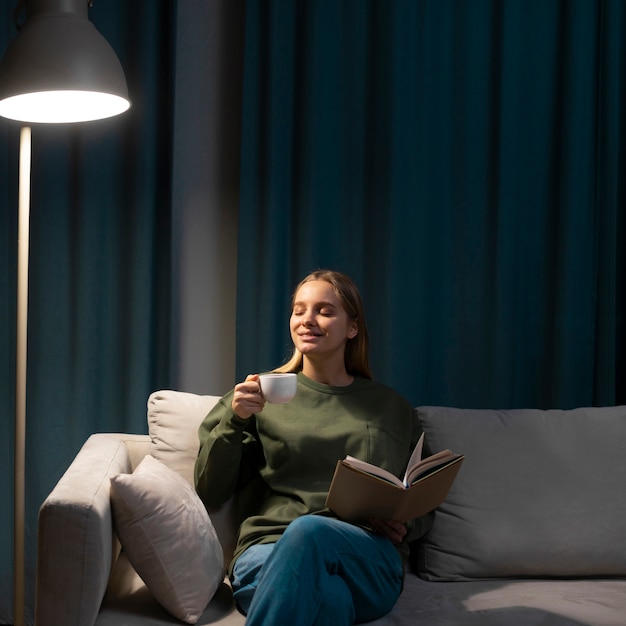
x=247 y=397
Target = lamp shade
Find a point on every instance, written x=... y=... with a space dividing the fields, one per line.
x=59 y=68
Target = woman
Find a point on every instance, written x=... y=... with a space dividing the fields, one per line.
x=295 y=563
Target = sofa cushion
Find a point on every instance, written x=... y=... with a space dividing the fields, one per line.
x=540 y=494
x=168 y=537
x=173 y=421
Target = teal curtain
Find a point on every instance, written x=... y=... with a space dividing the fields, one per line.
x=99 y=269
x=463 y=161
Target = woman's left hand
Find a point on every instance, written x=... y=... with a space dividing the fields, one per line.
x=394 y=531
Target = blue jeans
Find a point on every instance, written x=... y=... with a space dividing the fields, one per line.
x=321 y=572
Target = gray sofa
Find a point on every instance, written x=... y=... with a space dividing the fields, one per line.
x=533 y=531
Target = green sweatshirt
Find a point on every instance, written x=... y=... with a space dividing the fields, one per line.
x=281 y=460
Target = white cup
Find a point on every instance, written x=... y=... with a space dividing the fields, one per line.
x=278 y=388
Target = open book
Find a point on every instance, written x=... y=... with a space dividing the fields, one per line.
x=360 y=490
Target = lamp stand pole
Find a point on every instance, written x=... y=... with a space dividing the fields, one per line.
x=20 y=375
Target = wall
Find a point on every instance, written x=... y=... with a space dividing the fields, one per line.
x=205 y=193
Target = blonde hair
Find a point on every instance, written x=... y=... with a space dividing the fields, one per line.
x=356 y=356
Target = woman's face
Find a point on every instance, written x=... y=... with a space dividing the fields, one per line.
x=320 y=326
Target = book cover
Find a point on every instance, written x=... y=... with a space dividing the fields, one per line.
x=360 y=490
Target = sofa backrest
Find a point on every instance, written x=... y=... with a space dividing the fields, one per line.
x=540 y=494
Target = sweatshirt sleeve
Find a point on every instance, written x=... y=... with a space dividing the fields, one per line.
x=228 y=454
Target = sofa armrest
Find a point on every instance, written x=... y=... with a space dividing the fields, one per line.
x=76 y=545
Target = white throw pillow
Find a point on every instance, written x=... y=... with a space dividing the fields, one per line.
x=168 y=537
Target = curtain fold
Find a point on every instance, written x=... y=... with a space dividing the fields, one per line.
x=461 y=161
x=100 y=263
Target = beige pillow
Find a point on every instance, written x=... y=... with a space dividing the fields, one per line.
x=168 y=537
x=173 y=421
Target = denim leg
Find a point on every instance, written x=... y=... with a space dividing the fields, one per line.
x=324 y=572
x=246 y=573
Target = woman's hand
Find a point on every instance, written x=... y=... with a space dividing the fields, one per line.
x=394 y=531
x=247 y=397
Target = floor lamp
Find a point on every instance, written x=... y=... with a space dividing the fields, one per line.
x=58 y=69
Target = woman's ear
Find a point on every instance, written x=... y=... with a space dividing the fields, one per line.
x=353 y=329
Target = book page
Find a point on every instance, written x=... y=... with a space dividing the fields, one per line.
x=374 y=470
x=416 y=468
x=429 y=464
x=416 y=457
